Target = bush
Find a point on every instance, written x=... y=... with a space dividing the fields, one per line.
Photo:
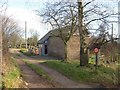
x=11 y=78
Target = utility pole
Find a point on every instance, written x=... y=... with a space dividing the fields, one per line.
x=1 y=52
x=112 y=43
x=26 y=33
x=112 y=34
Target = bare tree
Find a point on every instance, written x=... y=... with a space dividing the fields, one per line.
x=16 y=40
x=62 y=14
x=9 y=27
x=87 y=18
x=62 y=17
x=33 y=39
x=106 y=42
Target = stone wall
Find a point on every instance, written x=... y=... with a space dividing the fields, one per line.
x=56 y=47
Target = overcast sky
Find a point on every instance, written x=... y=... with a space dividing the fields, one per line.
x=24 y=10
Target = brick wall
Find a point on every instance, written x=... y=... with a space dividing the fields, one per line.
x=73 y=48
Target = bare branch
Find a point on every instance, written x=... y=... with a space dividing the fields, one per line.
x=97 y=19
x=88 y=3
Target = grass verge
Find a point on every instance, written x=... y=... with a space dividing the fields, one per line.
x=103 y=75
x=11 y=78
x=38 y=70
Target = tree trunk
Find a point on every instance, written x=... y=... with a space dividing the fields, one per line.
x=83 y=54
x=20 y=45
x=83 y=57
x=65 y=51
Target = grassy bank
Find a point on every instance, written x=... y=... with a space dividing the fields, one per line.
x=72 y=70
x=38 y=70
x=11 y=78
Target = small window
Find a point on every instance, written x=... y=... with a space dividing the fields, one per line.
x=46 y=41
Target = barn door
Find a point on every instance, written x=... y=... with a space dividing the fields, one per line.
x=46 y=49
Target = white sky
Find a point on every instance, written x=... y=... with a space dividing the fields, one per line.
x=23 y=10
x=33 y=21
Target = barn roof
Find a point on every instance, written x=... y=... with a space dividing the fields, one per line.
x=55 y=32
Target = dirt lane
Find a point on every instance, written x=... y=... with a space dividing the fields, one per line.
x=32 y=80
x=57 y=77
x=30 y=77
